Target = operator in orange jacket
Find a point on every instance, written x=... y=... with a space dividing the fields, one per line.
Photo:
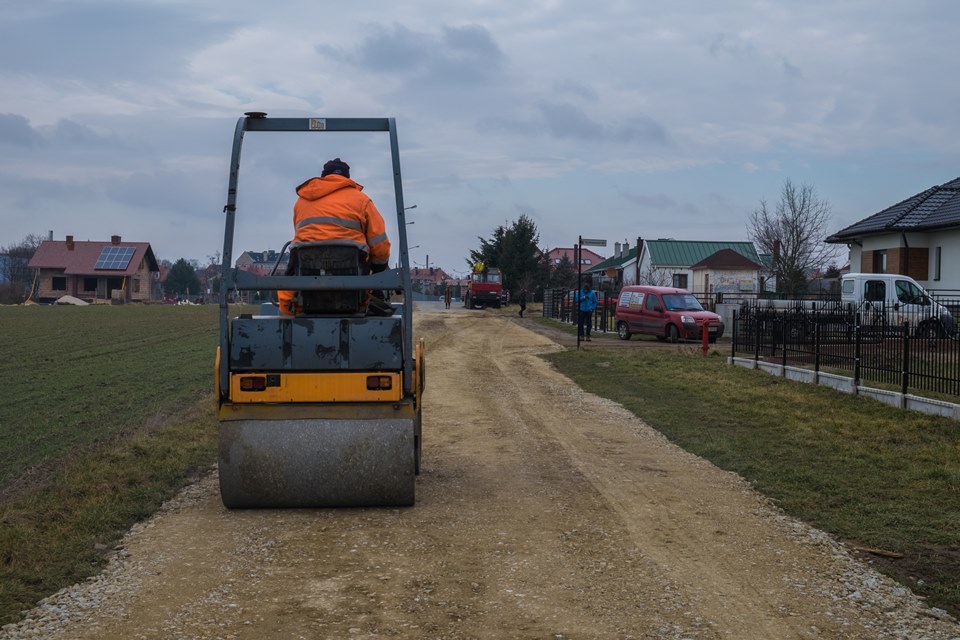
x=332 y=207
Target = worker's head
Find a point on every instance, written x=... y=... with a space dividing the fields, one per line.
x=337 y=167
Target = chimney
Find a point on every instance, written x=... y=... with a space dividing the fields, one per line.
x=114 y=239
x=70 y=243
x=616 y=249
x=50 y=237
x=626 y=249
x=637 y=263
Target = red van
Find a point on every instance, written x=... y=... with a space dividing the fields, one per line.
x=665 y=312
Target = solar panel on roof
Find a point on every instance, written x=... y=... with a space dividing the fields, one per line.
x=114 y=258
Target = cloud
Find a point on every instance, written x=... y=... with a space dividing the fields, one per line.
x=564 y=120
x=455 y=55
x=102 y=42
x=15 y=130
x=660 y=202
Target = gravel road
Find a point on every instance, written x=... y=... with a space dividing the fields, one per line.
x=542 y=512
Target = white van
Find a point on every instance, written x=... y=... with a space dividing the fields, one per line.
x=890 y=299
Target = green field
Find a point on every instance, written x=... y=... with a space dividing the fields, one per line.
x=107 y=411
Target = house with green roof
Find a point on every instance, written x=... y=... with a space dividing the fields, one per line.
x=719 y=266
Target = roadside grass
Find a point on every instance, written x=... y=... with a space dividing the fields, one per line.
x=869 y=474
x=108 y=411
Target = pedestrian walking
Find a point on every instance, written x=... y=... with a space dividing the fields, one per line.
x=447 y=296
x=522 y=301
x=587 y=302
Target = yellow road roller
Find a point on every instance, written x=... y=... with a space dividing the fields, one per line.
x=323 y=408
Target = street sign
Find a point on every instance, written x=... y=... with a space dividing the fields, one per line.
x=586 y=242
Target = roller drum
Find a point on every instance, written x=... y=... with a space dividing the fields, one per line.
x=317 y=463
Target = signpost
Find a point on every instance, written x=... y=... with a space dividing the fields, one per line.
x=577 y=251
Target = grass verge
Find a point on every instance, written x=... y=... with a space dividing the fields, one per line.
x=869 y=474
x=58 y=531
x=107 y=413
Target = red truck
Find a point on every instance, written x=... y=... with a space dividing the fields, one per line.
x=484 y=289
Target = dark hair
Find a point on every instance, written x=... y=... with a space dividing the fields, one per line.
x=336 y=166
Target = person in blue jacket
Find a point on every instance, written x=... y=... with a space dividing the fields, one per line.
x=587 y=302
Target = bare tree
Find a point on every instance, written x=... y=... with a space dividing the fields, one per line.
x=16 y=277
x=654 y=277
x=793 y=233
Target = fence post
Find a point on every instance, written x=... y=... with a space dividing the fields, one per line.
x=756 y=340
x=733 y=338
x=856 y=353
x=816 y=344
x=905 y=376
x=783 y=338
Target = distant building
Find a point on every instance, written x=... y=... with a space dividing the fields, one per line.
x=262 y=261
x=726 y=271
x=668 y=262
x=918 y=237
x=587 y=258
x=430 y=277
x=91 y=270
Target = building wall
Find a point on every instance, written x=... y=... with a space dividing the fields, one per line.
x=726 y=281
x=140 y=285
x=138 y=288
x=931 y=259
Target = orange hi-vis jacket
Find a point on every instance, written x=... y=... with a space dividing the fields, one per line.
x=334 y=208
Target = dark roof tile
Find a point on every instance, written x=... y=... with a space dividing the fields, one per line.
x=937 y=207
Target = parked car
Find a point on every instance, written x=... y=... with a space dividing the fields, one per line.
x=665 y=312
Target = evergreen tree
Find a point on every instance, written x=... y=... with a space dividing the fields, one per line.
x=514 y=251
x=182 y=279
x=564 y=274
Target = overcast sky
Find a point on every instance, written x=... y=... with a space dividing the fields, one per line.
x=611 y=119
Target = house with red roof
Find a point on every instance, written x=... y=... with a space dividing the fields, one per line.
x=93 y=270
x=587 y=258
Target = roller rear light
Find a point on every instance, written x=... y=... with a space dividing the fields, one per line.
x=379 y=383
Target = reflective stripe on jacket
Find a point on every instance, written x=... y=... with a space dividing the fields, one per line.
x=333 y=208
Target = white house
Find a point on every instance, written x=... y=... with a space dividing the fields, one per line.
x=919 y=237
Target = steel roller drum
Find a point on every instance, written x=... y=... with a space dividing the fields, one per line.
x=317 y=463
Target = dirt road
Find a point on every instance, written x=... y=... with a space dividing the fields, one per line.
x=543 y=512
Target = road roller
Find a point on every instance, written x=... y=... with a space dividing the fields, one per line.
x=322 y=408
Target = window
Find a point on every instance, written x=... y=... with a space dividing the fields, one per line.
x=874 y=291
x=59 y=283
x=682 y=302
x=89 y=284
x=880 y=261
x=936 y=263
x=909 y=293
x=136 y=285
x=651 y=302
x=680 y=280
x=631 y=299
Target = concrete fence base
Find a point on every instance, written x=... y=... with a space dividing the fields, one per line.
x=846 y=384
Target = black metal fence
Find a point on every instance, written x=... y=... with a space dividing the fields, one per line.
x=914 y=350
x=559 y=304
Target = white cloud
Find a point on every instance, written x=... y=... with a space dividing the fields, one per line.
x=501 y=109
